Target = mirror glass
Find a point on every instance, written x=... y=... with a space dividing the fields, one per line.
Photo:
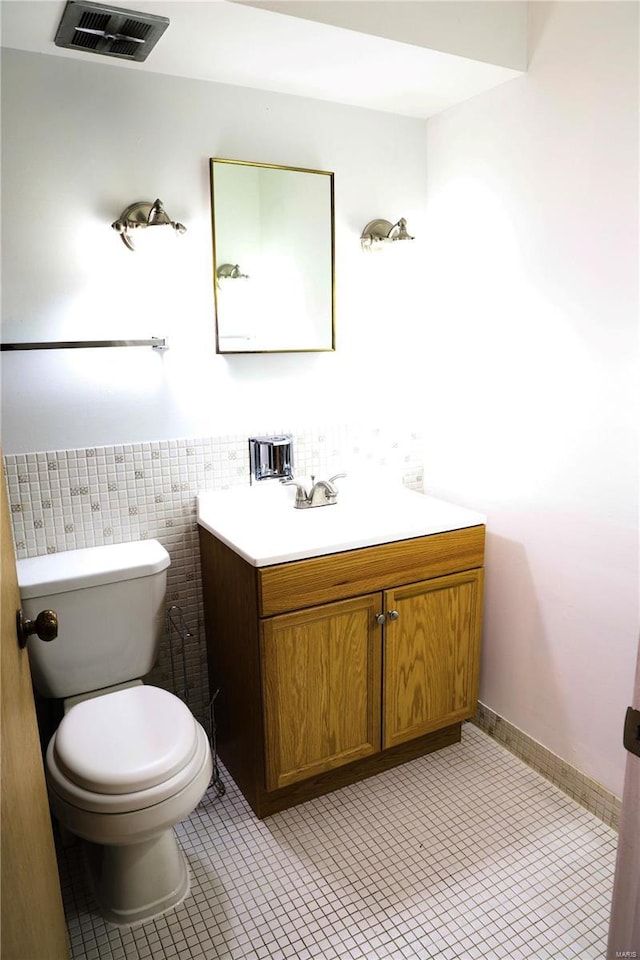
x=273 y=257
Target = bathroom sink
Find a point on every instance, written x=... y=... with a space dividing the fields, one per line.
x=261 y=524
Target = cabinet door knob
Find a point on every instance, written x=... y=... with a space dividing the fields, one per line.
x=393 y=614
x=380 y=618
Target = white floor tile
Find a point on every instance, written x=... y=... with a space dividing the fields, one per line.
x=467 y=853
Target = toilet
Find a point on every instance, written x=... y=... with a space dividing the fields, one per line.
x=128 y=760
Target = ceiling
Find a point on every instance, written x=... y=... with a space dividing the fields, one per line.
x=232 y=43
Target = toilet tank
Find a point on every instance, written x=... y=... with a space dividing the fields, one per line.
x=110 y=606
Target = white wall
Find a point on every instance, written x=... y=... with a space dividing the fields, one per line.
x=481 y=30
x=532 y=274
x=83 y=140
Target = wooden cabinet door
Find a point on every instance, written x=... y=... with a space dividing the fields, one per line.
x=321 y=676
x=431 y=655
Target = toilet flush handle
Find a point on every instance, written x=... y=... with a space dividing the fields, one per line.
x=44 y=626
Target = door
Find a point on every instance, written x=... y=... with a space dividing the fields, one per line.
x=624 y=930
x=431 y=655
x=321 y=688
x=32 y=916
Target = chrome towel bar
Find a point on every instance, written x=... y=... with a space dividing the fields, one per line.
x=158 y=343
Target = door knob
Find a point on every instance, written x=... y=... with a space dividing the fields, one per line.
x=380 y=618
x=44 y=626
x=631 y=738
x=393 y=614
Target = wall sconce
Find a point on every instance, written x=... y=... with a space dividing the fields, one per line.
x=143 y=214
x=378 y=232
x=231 y=271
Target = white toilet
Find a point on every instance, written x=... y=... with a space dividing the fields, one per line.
x=128 y=761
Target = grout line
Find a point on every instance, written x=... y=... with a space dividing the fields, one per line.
x=587 y=792
x=465 y=854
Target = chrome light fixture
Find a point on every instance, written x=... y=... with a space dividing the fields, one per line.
x=378 y=232
x=231 y=271
x=140 y=215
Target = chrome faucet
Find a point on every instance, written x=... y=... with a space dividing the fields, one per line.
x=322 y=492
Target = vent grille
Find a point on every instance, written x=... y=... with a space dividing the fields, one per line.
x=95 y=21
x=110 y=31
x=90 y=21
x=134 y=28
x=122 y=48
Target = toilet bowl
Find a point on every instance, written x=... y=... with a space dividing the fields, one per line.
x=122 y=769
x=128 y=761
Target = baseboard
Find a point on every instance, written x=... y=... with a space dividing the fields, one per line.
x=585 y=791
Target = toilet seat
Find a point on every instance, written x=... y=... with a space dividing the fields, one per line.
x=125 y=751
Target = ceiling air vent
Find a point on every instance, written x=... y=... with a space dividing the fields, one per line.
x=110 y=31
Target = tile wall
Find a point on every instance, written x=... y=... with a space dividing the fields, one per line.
x=68 y=499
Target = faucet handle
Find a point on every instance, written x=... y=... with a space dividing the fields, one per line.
x=301 y=490
x=292 y=482
x=338 y=476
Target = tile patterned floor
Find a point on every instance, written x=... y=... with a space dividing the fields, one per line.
x=467 y=853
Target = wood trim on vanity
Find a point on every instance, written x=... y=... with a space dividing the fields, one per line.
x=233 y=653
x=306 y=583
x=269 y=803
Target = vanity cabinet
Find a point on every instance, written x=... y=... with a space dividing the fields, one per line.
x=334 y=668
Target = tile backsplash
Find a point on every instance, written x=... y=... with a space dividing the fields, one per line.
x=68 y=499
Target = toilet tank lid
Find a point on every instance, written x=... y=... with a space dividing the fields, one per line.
x=90 y=567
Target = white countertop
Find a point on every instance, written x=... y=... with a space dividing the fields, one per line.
x=261 y=524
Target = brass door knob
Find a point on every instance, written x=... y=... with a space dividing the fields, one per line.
x=44 y=626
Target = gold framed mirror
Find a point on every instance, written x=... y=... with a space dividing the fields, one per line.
x=273 y=257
